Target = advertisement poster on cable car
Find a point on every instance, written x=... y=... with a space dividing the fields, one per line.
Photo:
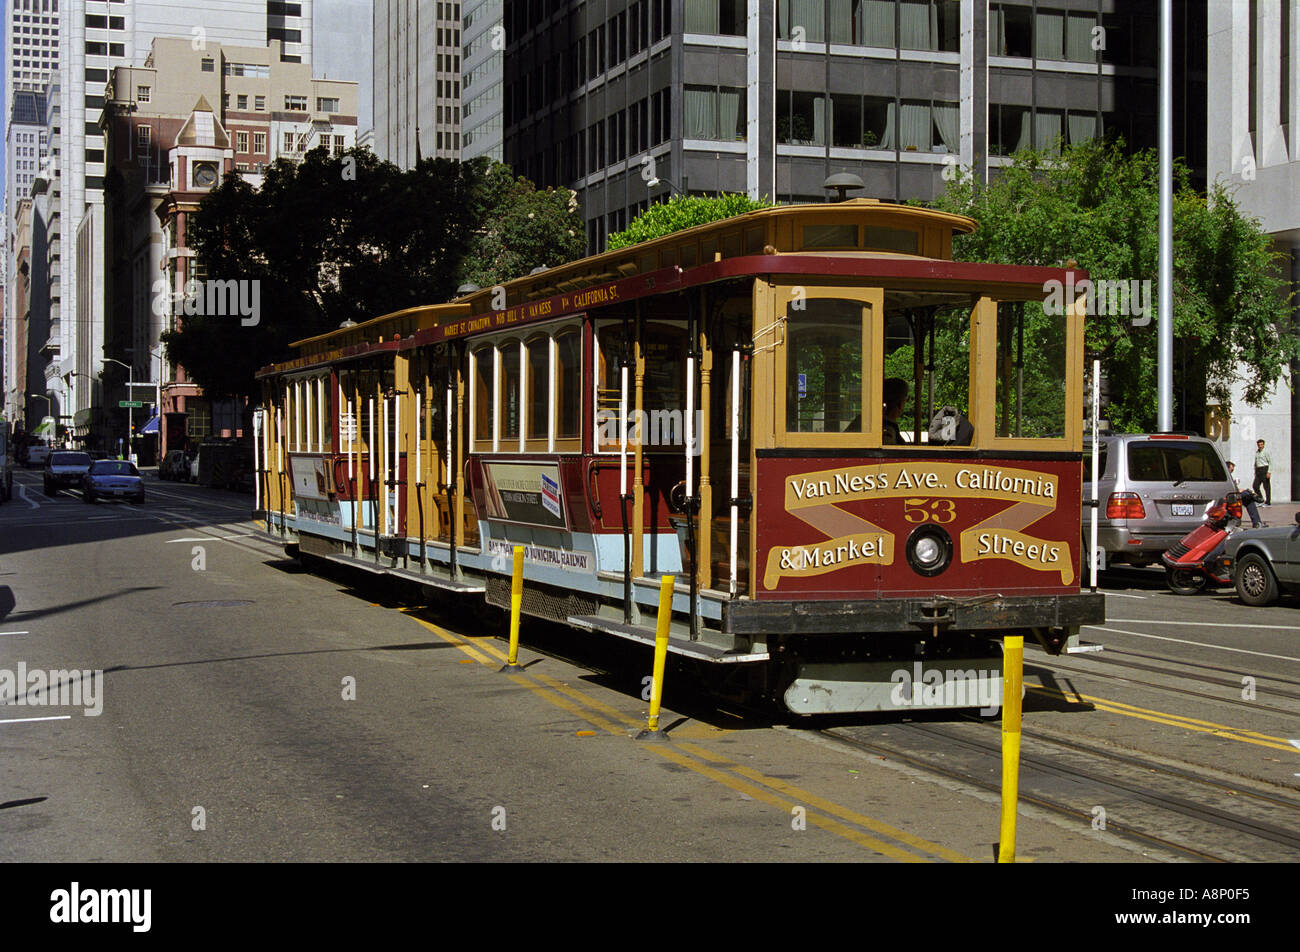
x=527 y=493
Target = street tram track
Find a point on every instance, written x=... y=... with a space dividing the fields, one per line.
x=1161 y=800
x=1108 y=657
x=1255 y=706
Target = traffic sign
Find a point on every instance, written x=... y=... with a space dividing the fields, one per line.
x=129 y=403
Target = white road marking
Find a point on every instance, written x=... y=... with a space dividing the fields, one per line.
x=22 y=491
x=1122 y=595
x=2 y=633
x=1198 y=644
x=1202 y=624
x=27 y=720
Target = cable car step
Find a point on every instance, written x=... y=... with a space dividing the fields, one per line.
x=435 y=581
x=680 y=646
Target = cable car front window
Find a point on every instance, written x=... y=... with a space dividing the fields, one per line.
x=824 y=370
x=927 y=367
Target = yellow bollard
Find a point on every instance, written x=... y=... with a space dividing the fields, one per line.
x=661 y=652
x=1013 y=657
x=516 y=605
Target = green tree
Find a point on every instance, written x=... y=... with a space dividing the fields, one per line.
x=1097 y=205
x=523 y=228
x=681 y=212
x=338 y=238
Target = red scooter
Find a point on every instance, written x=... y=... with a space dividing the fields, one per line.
x=1199 y=556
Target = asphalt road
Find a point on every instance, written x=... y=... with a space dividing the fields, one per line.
x=250 y=711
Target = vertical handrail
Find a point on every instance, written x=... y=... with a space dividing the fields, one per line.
x=735 y=460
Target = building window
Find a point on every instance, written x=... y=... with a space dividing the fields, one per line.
x=142 y=93
x=259 y=143
x=339 y=145
x=208 y=65
x=259 y=103
x=143 y=135
x=241 y=142
x=241 y=102
x=288 y=142
x=726 y=17
x=327 y=105
x=295 y=103
x=712 y=113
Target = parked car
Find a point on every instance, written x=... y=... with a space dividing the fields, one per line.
x=1265 y=562
x=174 y=466
x=1154 y=488
x=112 y=478
x=37 y=455
x=63 y=470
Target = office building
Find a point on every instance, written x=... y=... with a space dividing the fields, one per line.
x=770 y=97
x=483 y=39
x=1254 y=103
x=31 y=44
x=417 y=80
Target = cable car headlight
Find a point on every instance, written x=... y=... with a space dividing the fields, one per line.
x=929 y=550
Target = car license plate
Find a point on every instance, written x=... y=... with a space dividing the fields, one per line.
x=1183 y=509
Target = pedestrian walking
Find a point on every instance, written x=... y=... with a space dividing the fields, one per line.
x=1263 y=473
x=1248 y=498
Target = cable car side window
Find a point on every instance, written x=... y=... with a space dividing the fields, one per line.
x=538 y=376
x=1030 y=372
x=511 y=392
x=568 y=385
x=483 y=394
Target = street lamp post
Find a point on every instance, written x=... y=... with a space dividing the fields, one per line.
x=49 y=405
x=130 y=411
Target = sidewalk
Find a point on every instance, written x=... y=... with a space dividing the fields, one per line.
x=1278 y=514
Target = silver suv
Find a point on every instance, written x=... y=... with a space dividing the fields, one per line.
x=1154 y=489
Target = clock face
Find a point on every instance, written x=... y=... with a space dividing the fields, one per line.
x=205 y=174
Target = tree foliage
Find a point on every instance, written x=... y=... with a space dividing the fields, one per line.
x=526 y=228
x=338 y=238
x=1097 y=204
x=679 y=213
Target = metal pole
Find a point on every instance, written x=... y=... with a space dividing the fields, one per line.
x=1165 y=355
x=1096 y=398
x=1013 y=648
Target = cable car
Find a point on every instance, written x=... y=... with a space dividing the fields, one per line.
x=859 y=458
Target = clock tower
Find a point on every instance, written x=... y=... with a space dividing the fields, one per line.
x=200 y=159
x=202 y=155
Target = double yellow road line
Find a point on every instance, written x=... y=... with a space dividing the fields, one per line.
x=1172 y=720
x=865 y=831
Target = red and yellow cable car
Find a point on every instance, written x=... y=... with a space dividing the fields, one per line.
x=860 y=459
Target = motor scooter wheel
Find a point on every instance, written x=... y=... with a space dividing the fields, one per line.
x=1184 y=581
